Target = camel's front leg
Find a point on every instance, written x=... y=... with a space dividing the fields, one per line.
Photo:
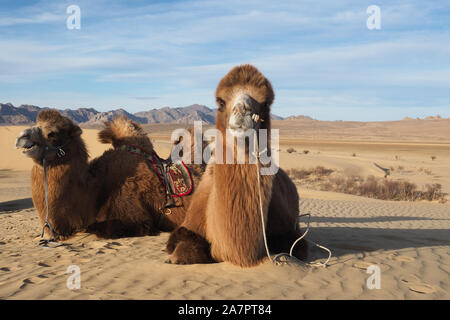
x=188 y=247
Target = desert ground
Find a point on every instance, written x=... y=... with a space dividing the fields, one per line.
x=408 y=241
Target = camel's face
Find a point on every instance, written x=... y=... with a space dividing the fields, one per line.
x=244 y=97
x=239 y=110
x=51 y=130
x=31 y=142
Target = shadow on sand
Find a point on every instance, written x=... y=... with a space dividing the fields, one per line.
x=351 y=240
x=15 y=205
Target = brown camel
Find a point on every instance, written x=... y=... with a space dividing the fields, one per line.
x=117 y=194
x=223 y=222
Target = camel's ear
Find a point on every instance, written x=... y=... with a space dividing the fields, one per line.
x=76 y=131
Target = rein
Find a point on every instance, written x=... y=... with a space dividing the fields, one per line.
x=53 y=235
x=277 y=258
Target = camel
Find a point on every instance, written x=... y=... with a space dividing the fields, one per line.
x=223 y=221
x=115 y=195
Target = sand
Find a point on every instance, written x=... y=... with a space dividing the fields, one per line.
x=409 y=242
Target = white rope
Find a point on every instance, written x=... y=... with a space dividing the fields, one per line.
x=276 y=259
x=256 y=151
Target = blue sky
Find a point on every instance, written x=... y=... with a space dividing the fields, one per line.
x=319 y=55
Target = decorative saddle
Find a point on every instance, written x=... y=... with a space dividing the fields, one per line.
x=174 y=175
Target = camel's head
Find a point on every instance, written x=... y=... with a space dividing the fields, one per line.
x=50 y=132
x=244 y=97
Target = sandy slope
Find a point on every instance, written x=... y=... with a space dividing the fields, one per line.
x=410 y=243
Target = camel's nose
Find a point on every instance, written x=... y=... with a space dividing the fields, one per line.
x=23 y=138
x=242 y=104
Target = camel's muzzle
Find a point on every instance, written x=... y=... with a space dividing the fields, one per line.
x=25 y=142
x=241 y=115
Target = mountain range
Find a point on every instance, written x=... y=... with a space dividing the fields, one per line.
x=27 y=114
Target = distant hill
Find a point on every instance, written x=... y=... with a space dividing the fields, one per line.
x=298 y=118
x=10 y=115
x=89 y=117
x=184 y=115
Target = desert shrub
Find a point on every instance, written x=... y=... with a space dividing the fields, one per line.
x=384 y=189
x=321 y=171
x=321 y=178
x=305 y=151
x=433 y=158
x=290 y=150
x=433 y=192
x=298 y=174
x=353 y=154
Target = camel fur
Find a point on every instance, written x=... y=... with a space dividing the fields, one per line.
x=115 y=195
x=223 y=222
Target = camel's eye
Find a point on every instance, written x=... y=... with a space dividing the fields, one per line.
x=220 y=103
x=52 y=134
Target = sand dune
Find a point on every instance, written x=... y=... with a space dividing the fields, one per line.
x=409 y=242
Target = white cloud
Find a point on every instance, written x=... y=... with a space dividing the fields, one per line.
x=178 y=51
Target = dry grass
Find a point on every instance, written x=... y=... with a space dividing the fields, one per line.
x=317 y=172
x=385 y=189
x=320 y=178
x=426 y=171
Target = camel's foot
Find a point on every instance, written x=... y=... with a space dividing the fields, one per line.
x=188 y=247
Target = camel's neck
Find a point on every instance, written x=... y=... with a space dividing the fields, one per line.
x=69 y=189
x=72 y=167
x=236 y=188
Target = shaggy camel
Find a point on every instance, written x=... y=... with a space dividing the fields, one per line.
x=223 y=222
x=117 y=194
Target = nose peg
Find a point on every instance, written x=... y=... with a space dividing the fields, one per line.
x=238 y=108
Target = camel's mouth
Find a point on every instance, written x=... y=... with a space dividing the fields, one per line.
x=239 y=126
x=25 y=144
x=28 y=148
x=238 y=132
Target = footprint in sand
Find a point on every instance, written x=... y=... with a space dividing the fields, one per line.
x=421 y=288
x=362 y=265
x=416 y=285
x=401 y=258
x=59 y=261
x=97 y=244
x=410 y=278
x=102 y=245
x=43 y=264
x=33 y=280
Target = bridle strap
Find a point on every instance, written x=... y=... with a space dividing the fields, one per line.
x=53 y=235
